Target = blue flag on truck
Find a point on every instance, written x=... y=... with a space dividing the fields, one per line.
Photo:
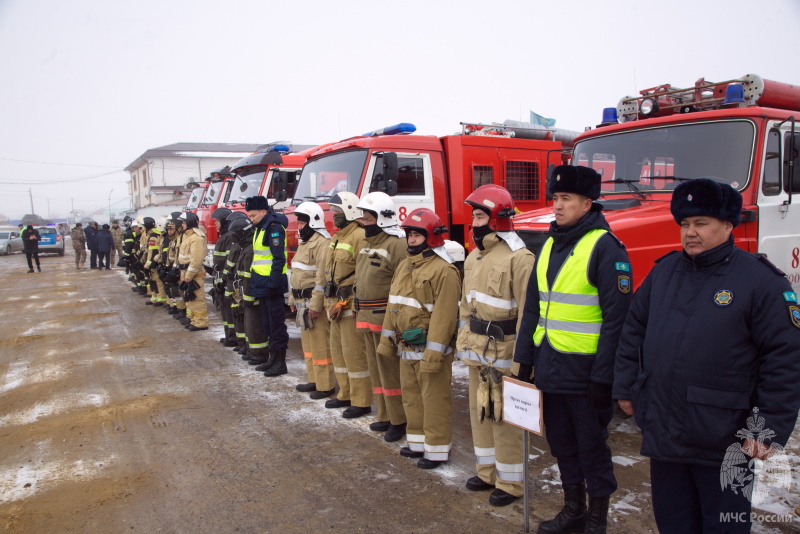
x=542 y=121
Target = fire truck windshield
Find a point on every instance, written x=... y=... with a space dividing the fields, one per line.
x=328 y=175
x=247 y=184
x=651 y=160
x=195 y=198
x=212 y=194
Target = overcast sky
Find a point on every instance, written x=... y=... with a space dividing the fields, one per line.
x=89 y=85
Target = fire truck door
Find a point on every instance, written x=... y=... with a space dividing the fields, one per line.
x=778 y=212
x=414 y=182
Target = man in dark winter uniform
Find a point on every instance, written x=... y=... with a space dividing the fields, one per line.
x=269 y=282
x=712 y=337
x=577 y=299
x=91 y=243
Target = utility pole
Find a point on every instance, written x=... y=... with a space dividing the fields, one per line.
x=109 y=206
x=31 y=195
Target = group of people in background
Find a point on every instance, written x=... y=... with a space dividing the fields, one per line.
x=383 y=313
x=104 y=244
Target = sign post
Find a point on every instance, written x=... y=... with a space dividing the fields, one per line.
x=522 y=407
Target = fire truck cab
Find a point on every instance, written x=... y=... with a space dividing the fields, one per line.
x=436 y=172
x=741 y=132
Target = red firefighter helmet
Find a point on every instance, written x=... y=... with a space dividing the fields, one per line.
x=498 y=202
x=428 y=223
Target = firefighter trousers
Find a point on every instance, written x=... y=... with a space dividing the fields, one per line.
x=350 y=362
x=428 y=407
x=237 y=311
x=385 y=375
x=317 y=353
x=255 y=336
x=227 y=319
x=498 y=446
x=160 y=295
x=197 y=309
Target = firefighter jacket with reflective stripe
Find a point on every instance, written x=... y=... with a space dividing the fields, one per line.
x=376 y=262
x=307 y=262
x=221 y=249
x=130 y=240
x=495 y=280
x=609 y=271
x=341 y=261
x=243 y=276
x=174 y=247
x=423 y=295
x=317 y=302
x=192 y=251
x=269 y=256
x=569 y=312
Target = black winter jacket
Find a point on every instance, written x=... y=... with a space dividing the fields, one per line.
x=707 y=339
x=556 y=372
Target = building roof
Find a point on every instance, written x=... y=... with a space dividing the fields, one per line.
x=196 y=150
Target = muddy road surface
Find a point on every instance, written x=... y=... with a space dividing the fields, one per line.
x=113 y=419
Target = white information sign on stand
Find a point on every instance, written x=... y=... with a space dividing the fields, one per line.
x=522 y=405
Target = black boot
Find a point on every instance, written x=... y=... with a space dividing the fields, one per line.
x=598 y=515
x=262 y=363
x=278 y=366
x=571 y=518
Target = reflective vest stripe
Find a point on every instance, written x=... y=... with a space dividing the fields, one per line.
x=569 y=312
x=262 y=255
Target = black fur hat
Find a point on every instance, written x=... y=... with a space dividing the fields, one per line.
x=704 y=197
x=256 y=203
x=574 y=179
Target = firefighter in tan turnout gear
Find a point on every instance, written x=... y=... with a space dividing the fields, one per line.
x=190 y=261
x=383 y=250
x=308 y=261
x=347 y=345
x=419 y=328
x=495 y=281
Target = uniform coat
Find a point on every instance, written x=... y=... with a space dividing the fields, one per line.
x=706 y=340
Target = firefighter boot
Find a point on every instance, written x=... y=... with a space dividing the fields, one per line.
x=278 y=366
x=262 y=363
x=598 y=515
x=571 y=518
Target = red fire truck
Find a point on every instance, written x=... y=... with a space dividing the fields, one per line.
x=436 y=172
x=741 y=132
x=257 y=174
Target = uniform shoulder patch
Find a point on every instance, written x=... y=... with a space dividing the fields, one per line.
x=276 y=241
x=763 y=259
x=723 y=298
x=622 y=266
x=790 y=296
x=624 y=283
x=794 y=315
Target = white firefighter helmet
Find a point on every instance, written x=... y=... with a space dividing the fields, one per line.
x=316 y=218
x=348 y=203
x=381 y=204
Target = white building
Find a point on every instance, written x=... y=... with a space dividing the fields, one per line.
x=159 y=177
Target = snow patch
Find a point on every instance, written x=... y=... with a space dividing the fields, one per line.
x=54 y=406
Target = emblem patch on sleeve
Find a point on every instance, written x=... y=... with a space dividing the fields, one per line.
x=790 y=297
x=276 y=241
x=723 y=298
x=794 y=315
x=622 y=266
x=624 y=283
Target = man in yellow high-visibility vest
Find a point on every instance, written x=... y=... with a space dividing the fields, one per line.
x=577 y=299
x=268 y=282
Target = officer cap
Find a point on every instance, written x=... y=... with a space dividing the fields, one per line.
x=709 y=198
x=256 y=203
x=574 y=179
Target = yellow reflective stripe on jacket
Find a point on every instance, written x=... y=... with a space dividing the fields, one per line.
x=341 y=246
x=569 y=313
x=262 y=255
